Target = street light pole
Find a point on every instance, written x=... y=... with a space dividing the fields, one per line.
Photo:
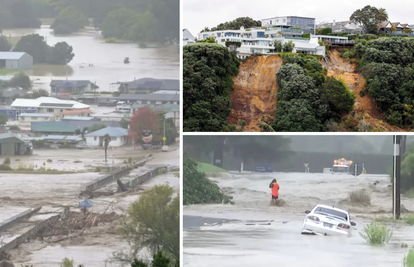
x=397 y=177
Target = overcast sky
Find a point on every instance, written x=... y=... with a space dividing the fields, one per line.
x=198 y=14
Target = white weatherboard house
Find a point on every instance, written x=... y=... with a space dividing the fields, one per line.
x=15 y=60
x=49 y=105
x=119 y=137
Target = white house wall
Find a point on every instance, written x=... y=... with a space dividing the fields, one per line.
x=115 y=142
x=12 y=64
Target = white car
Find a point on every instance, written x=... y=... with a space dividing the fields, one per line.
x=327 y=220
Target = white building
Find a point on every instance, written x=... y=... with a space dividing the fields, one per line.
x=49 y=105
x=261 y=40
x=307 y=25
x=187 y=37
x=119 y=137
x=342 y=26
x=31 y=117
x=15 y=60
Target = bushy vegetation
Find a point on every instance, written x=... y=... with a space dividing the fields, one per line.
x=409 y=258
x=306 y=99
x=387 y=64
x=198 y=189
x=360 y=197
x=377 y=233
x=69 y=20
x=208 y=71
x=246 y=22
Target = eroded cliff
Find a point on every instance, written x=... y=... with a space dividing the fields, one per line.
x=255 y=91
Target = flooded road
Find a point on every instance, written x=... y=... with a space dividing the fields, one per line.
x=212 y=242
x=107 y=59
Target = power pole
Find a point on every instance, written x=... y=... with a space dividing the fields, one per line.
x=396 y=176
x=219 y=150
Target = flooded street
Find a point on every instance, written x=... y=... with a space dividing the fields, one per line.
x=237 y=235
x=107 y=59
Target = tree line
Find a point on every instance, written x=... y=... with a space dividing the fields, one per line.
x=136 y=20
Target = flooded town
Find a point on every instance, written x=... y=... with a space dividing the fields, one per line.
x=89 y=133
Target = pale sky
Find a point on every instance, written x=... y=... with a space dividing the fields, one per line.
x=198 y=14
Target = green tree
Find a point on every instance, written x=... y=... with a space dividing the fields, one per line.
x=4 y=44
x=106 y=140
x=208 y=80
x=118 y=23
x=158 y=260
x=369 y=17
x=246 y=22
x=20 y=80
x=198 y=189
x=35 y=45
x=288 y=46
x=3 y=119
x=22 y=15
x=69 y=20
x=61 y=54
x=39 y=93
x=338 y=97
x=207 y=40
x=153 y=222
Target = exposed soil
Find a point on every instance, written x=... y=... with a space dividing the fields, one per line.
x=255 y=91
x=365 y=105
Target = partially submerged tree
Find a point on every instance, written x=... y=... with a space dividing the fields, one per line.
x=369 y=17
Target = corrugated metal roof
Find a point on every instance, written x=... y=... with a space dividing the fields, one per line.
x=150 y=97
x=11 y=55
x=73 y=83
x=24 y=102
x=67 y=126
x=111 y=131
x=10 y=135
x=40 y=115
x=78 y=118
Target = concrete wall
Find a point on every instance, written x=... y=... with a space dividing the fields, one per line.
x=119 y=141
x=29 y=234
x=12 y=64
x=26 y=62
x=145 y=177
x=9 y=223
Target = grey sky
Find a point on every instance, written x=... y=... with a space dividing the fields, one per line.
x=198 y=14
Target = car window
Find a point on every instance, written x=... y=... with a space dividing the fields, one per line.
x=332 y=212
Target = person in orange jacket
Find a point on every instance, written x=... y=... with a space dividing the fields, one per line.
x=275 y=191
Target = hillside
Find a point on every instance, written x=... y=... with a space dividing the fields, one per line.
x=255 y=91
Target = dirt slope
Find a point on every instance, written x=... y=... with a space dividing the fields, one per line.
x=365 y=106
x=255 y=91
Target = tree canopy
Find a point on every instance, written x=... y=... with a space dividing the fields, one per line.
x=18 y=14
x=36 y=46
x=208 y=80
x=69 y=20
x=369 y=17
x=246 y=22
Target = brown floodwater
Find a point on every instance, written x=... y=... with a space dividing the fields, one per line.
x=107 y=59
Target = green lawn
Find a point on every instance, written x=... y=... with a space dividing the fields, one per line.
x=204 y=167
x=5 y=72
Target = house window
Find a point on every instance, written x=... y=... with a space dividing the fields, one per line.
x=284 y=20
x=9 y=112
x=95 y=138
x=50 y=110
x=113 y=138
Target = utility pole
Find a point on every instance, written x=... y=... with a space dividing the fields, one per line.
x=163 y=139
x=396 y=176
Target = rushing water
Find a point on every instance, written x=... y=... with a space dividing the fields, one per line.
x=107 y=59
x=238 y=243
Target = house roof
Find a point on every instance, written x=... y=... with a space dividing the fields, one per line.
x=187 y=35
x=50 y=102
x=69 y=84
x=11 y=55
x=150 y=97
x=163 y=107
x=38 y=115
x=154 y=84
x=10 y=135
x=79 y=118
x=75 y=111
x=67 y=126
x=111 y=131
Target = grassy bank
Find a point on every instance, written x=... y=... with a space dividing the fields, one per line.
x=205 y=167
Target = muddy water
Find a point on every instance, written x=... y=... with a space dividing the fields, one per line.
x=238 y=244
x=107 y=59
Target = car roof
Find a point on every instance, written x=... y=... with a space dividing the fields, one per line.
x=330 y=207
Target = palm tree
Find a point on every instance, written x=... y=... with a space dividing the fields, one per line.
x=106 y=141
